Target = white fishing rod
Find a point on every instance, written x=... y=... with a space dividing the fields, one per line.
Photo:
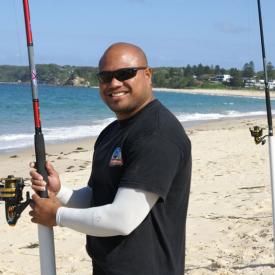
x=45 y=234
x=257 y=132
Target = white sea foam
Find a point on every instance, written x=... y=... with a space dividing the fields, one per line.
x=14 y=137
x=75 y=132
x=62 y=134
x=58 y=134
x=15 y=141
x=214 y=116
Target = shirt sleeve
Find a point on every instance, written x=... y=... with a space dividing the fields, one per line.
x=151 y=164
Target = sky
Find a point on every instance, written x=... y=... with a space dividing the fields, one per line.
x=171 y=32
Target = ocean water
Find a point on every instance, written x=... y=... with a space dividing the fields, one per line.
x=69 y=113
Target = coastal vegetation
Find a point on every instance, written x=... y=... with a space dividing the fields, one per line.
x=196 y=76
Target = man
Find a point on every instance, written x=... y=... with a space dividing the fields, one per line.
x=133 y=210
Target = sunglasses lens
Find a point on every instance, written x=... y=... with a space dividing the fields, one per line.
x=120 y=75
x=125 y=74
x=105 y=77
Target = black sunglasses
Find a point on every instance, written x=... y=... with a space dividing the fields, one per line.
x=121 y=74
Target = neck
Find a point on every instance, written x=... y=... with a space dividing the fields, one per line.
x=122 y=116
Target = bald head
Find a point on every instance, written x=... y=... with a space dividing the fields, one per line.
x=126 y=91
x=123 y=55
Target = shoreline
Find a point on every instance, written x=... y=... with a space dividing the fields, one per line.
x=55 y=152
x=218 y=92
x=49 y=145
x=52 y=145
x=21 y=157
x=63 y=147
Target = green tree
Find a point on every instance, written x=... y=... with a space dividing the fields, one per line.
x=217 y=69
x=270 y=70
x=236 y=80
x=188 y=71
x=160 y=76
x=248 y=70
x=200 y=70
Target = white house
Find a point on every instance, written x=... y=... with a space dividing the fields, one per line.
x=223 y=77
x=249 y=83
x=261 y=85
x=271 y=84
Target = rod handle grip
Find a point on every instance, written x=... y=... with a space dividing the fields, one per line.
x=41 y=161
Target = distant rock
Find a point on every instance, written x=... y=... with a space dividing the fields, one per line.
x=77 y=81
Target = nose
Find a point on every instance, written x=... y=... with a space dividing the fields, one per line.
x=115 y=83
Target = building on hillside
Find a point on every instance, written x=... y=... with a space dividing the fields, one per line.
x=223 y=77
x=271 y=84
x=248 y=82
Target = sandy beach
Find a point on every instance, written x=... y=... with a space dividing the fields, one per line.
x=229 y=227
x=219 y=92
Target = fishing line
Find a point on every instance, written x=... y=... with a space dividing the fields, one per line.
x=18 y=34
x=249 y=24
x=249 y=54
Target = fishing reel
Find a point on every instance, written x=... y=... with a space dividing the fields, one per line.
x=257 y=133
x=11 y=189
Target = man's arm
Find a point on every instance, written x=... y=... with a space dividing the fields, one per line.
x=129 y=208
x=71 y=198
x=80 y=198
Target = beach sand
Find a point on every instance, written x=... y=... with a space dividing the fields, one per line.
x=229 y=226
x=219 y=92
x=19 y=244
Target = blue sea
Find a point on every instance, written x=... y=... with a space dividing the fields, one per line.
x=69 y=113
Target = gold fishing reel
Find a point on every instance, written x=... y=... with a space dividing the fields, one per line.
x=11 y=189
x=257 y=133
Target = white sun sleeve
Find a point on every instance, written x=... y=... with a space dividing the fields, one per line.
x=129 y=208
x=80 y=198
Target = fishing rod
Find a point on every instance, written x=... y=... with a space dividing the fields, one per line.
x=257 y=132
x=45 y=234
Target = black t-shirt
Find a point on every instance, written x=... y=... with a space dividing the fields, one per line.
x=149 y=151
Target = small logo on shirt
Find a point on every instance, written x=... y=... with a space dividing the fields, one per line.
x=116 y=159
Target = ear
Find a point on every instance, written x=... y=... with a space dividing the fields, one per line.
x=148 y=74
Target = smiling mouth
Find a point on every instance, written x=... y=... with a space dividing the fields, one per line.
x=117 y=94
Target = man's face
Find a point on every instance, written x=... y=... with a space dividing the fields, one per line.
x=125 y=97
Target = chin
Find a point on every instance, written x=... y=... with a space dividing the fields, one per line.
x=119 y=106
x=123 y=112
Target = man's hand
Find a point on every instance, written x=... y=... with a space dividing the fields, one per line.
x=44 y=209
x=38 y=184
